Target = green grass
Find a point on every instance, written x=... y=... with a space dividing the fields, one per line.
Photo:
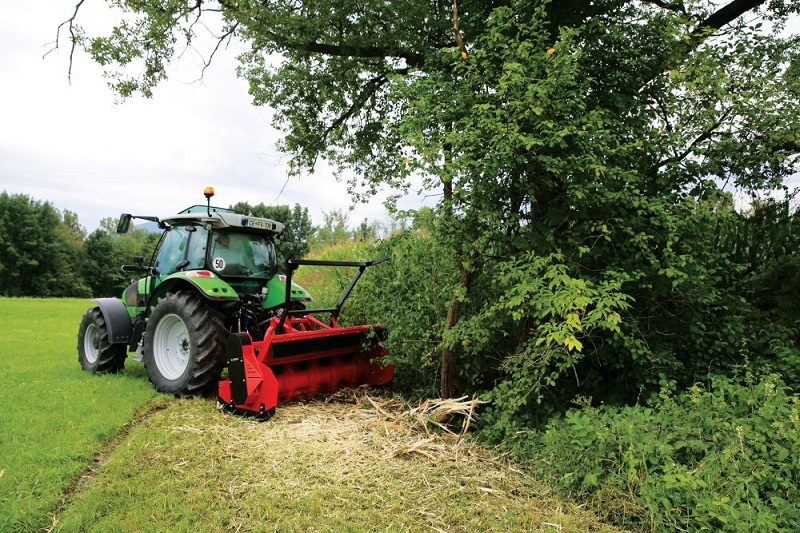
x=54 y=416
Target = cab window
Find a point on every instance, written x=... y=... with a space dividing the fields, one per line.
x=242 y=254
x=183 y=248
x=198 y=242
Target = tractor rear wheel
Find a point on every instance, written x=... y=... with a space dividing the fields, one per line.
x=184 y=345
x=95 y=353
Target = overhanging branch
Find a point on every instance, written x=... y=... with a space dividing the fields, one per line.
x=720 y=18
x=725 y=15
x=412 y=59
x=369 y=89
x=700 y=138
x=70 y=23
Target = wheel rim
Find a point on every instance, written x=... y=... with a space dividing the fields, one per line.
x=91 y=344
x=171 y=347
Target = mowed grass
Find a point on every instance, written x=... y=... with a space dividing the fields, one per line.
x=353 y=462
x=54 y=416
x=80 y=452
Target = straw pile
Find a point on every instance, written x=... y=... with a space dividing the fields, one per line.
x=363 y=429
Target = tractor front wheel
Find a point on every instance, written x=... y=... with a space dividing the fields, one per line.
x=95 y=353
x=184 y=345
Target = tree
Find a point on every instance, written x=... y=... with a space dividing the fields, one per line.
x=33 y=248
x=575 y=140
x=69 y=280
x=109 y=225
x=333 y=230
x=101 y=269
x=106 y=252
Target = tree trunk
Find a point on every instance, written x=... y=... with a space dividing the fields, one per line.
x=446 y=387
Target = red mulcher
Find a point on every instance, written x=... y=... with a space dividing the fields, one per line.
x=301 y=356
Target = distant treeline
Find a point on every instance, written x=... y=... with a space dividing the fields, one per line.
x=45 y=251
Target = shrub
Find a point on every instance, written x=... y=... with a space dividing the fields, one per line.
x=725 y=456
x=409 y=294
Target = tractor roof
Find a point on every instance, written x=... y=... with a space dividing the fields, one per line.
x=206 y=209
x=220 y=218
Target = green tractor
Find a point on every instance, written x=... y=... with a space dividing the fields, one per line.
x=212 y=298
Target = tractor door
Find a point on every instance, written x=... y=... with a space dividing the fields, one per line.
x=180 y=248
x=183 y=248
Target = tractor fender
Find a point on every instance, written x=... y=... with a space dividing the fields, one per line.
x=118 y=322
x=205 y=282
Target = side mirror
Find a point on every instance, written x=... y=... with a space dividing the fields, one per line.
x=124 y=223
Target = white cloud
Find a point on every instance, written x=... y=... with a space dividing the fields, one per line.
x=74 y=146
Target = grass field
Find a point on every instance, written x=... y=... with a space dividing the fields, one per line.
x=106 y=453
x=55 y=417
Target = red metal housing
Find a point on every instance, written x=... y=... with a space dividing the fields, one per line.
x=299 y=357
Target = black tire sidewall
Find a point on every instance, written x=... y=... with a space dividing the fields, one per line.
x=184 y=305
x=87 y=320
x=110 y=357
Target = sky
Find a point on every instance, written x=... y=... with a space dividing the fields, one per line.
x=70 y=142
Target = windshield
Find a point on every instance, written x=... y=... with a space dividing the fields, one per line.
x=242 y=254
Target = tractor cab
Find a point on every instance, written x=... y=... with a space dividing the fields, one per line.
x=228 y=257
x=230 y=245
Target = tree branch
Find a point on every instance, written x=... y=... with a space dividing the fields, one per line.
x=678 y=6
x=457 y=31
x=412 y=59
x=369 y=89
x=70 y=22
x=700 y=138
x=725 y=15
x=228 y=35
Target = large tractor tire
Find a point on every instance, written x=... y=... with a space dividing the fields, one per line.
x=95 y=353
x=184 y=345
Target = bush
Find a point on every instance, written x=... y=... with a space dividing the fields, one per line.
x=409 y=294
x=720 y=457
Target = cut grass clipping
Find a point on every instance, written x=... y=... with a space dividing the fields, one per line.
x=355 y=461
